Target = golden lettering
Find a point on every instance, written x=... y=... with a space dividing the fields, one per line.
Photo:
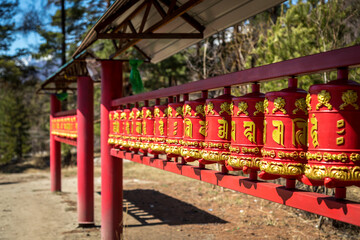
x=188 y=131
x=223 y=128
x=340 y=124
x=116 y=127
x=250 y=131
x=127 y=127
x=138 y=127
x=144 y=128
x=299 y=136
x=161 y=127
x=314 y=129
x=175 y=128
x=203 y=128
x=278 y=133
x=264 y=134
x=233 y=130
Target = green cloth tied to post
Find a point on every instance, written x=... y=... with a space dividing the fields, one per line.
x=135 y=78
x=61 y=96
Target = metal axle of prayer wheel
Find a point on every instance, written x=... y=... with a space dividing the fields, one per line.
x=136 y=130
x=217 y=129
x=194 y=128
x=115 y=126
x=247 y=127
x=127 y=126
x=147 y=127
x=158 y=146
x=285 y=133
x=175 y=128
x=333 y=136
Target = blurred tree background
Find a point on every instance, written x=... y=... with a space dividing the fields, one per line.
x=289 y=30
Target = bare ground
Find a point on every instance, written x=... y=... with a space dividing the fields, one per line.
x=157 y=205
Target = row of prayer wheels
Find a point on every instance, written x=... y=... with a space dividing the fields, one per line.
x=311 y=137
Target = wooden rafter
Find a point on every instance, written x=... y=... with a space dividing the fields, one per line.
x=150 y=35
x=177 y=11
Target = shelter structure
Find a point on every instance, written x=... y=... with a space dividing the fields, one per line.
x=159 y=29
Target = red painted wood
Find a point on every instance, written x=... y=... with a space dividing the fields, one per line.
x=68 y=141
x=111 y=168
x=343 y=210
x=55 y=149
x=65 y=113
x=320 y=62
x=85 y=150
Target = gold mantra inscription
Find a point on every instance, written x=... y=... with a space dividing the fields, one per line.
x=264 y=134
x=233 y=130
x=204 y=127
x=138 y=127
x=188 y=131
x=175 y=128
x=127 y=127
x=144 y=128
x=223 y=129
x=210 y=108
x=278 y=133
x=250 y=131
x=349 y=97
x=314 y=131
x=299 y=136
x=340 y=125
x=161 y=127
x=308 y=101
x=116 y=127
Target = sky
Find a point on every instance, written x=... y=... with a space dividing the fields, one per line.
x=31 y=40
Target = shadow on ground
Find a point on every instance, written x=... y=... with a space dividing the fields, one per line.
x=151 y=207
x=22 y=166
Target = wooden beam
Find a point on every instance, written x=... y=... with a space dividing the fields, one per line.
x=131 y=16
x=150 y=35
x=115 y=15
x=178 y=12
x=159 y=9
x=146 y=14
x=142 y=52
x=190 y=20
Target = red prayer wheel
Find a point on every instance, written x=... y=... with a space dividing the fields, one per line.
x=247 y=127
x=285 y=133
x=136 y=131
x=160 y=130
x=175 y=129
x=333 y=135
x=126 y=118
x=147 y=128
x=115 y=130
x=194 y=129
x=217 y=129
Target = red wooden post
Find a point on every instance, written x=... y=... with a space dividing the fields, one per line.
x=111 y=167
x=55 y=149
x=85 y=151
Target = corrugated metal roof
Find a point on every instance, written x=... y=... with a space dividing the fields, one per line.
x=213 y=15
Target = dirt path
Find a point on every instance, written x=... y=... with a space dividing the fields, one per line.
x=157 y=205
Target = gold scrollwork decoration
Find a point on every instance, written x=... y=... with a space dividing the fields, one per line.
x=308 y=101
x=116 y=116
x=215 y=156
x=243 y=106
x=324 y=99
x=341 y=157
x=300 y=104
x=131 y=115
x=252 y=162
x=338 y=173
x=210 y=108
x=170 y=111
x=139 y=115
x=187 y=110
x=349 y=97
x=123 y=115
x=279 y=104
x=179 y=111
x=278 y=168
x=148 y=114
x=259 y=106
x=266 y=105
x=157 y=112
x=225 y=107
x=200 y=110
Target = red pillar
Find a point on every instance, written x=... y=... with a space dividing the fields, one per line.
x=85 y=151
x=55 y=149
x=111 y=168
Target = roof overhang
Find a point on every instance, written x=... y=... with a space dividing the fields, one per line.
x=161 y=28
